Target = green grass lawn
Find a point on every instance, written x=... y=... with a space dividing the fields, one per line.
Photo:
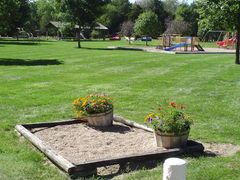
x=39 y=81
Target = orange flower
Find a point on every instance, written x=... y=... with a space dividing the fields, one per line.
x=181 y=106
x=75 y=102
x=159 y=108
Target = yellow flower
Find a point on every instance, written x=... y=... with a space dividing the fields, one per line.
x=150 y=115
x=75 y=102
x=84 y=103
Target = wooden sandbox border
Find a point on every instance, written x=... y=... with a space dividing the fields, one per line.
x=89 y=168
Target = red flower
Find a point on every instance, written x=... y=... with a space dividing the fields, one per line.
x=181 y=106
x=159 y=108
x=171 y=103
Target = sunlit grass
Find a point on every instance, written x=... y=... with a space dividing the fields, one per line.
x=52 y=74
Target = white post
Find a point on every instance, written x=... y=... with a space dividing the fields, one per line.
x=174 y=169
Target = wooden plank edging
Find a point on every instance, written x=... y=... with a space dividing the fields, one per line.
x=44 y=148
x=131 y=123
x=51 y=124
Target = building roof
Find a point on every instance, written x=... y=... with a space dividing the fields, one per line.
x=58 y=24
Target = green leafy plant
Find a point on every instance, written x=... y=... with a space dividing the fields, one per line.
x=92 y=104
x=170 y=119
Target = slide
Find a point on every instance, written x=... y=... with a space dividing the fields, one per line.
x=176 y=46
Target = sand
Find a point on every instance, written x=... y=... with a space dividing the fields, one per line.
x=80 y=143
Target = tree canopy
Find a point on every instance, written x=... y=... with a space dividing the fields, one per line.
x=13 y=15
x=224 y=13
x=147 y=24
x=81 y=12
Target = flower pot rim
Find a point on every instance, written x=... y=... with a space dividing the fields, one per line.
x=171 y=133
x=100 y=114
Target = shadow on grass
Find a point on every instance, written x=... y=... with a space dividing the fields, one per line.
x=88 y=48
x=28 y=62
x=128 y=167
x=19 y=43
x=24 y=40
x=125 y=168
x=115 y=48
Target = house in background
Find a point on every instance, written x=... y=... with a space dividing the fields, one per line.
x=65 y=30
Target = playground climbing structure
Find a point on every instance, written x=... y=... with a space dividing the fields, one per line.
x=169 y=42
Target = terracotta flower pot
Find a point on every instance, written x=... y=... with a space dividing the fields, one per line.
x=101 y=119
x=170 y=140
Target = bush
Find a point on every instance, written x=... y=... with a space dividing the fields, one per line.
x=147 y=24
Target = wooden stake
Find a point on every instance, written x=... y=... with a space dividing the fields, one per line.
x=131 y=123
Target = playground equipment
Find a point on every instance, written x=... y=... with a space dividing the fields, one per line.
x=170 y=42
x=146 y=39
x=214 y=35
x=229 y=41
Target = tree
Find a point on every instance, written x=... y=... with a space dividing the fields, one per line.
x=115 y=13
x=147 y=24
x=135 y=11
x=32 y=23
x=127 y=29
x=188 y=13
x=178 y=27
x=157 y=7
x=81 y=12
x=13 y=14
x=45 y=12
x=171 y=5
x=110 y=18
x=227 y=12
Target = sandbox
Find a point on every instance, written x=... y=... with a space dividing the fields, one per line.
x=78 y=149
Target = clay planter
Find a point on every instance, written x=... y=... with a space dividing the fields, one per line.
x=170 y=140
x=101 y=119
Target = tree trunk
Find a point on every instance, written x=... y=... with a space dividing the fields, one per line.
x=78 y=37
x=237 y=61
